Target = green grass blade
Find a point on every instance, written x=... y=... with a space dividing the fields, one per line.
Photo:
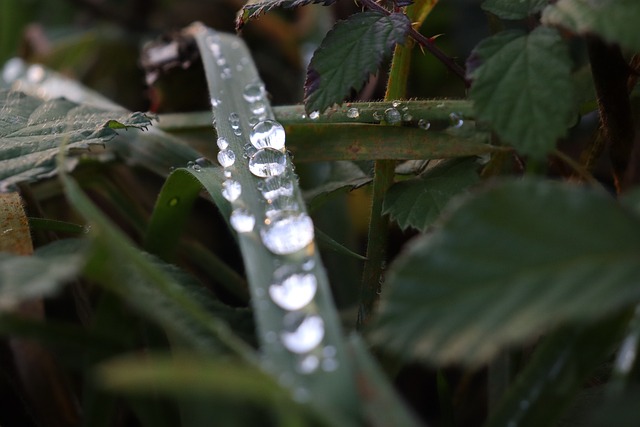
x=330 y=386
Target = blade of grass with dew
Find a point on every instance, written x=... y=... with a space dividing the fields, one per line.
x=329 y=385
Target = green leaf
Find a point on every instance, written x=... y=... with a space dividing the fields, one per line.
x=508 y=264
x=509 y=9
x=418 y=202
x=41 y=275
x=32 y=131
x=556 y=372
x=254 y=8
x=523 y=89
x=350 y=52
x=614 y=20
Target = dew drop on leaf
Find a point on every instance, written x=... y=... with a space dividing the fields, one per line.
x=353 y=113
x=314 y=115
x=294 y=291
x=308 y=364
x=242 y=221
x=253 y=92
x=424 y=124
x=456 y=121
x=267 y=162
x=35 y=73
x=392 y=116
x=222 y=142
x=302 y=332
x=231 y=190
x=203 y=162
x=276 y=186
x=396 y=104
x=407 y=117
x=259 y=109
x=267 y=133
x=287 y=232
x=226 y=158
x=215 y=102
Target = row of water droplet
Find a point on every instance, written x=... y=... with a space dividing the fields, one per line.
x=285 y=228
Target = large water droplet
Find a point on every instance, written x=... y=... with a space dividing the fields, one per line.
x=203 y=162
x=308 y=364
x=222 y=142
x=231 y=189
x=275 y=187
x=267 y=162
x=314 y=115
x=226 y=158
x=392 y=116
x=302 y=333
x=353 y=113
x=253 y=92
x=287 y=232
x=267 y=133
x=294 y=292
x=277 y=205
x=242 y=221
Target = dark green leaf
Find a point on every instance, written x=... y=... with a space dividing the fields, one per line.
x=344 y=177
x=556 y=372
x=510 y=9
x=523 y=89
x=255 y=8
x=40 y=275
x=614 y=20
x=418 y=202
x=350 y=52
x=32 y=132
x=508 y=264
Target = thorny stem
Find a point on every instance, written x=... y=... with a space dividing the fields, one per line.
x=423 y=41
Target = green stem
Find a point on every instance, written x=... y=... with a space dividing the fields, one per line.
x=383 y=179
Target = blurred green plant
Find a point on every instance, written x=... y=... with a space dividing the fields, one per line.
x=169 y=289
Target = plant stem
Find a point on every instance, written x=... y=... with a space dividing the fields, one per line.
x=384 y=170
x=425 y=42
x=610 y=75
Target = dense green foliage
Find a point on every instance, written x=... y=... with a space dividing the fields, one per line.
x=470 y=262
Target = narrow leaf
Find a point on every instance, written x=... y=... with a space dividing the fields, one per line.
x=614 y=20
x=509 y=9
x=344 y=177
x=508 y=264
x=523 y=89
x=254 y=8
x=350 y=52
x=418 y=202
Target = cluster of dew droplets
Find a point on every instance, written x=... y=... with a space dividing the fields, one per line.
x=286 y=229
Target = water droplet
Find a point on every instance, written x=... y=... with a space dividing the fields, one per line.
x=253 y=92
x=215 y=102
x=242 y=221
x=377 y=116
x=267 y=133
x=276 y=186
x=226 y=158
x=227 y=174
x=353 y=113
x=456 y=120
x=234 y=119
x=329 y=364
x=231 y=189
x=222 y=142
x=12 y=69
x=237 y=131
x=294 y=292
x=253 y=120
x=267 y=162
x=308 y=264
x=35 y=73
x=440 y=105
x=174 y=202
x=329 y=351
x=314 y=115
x=392 y=116
x=302 y=332
x=277 y=205
x=303 y=116
x=287 y=232
x=259 y=109
x=190 y=164
x=407 y=117
x=203 y=162
x=225 y=74
x=308 y=364
x=196 y=167
x=396 y=104
x=424 y=124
